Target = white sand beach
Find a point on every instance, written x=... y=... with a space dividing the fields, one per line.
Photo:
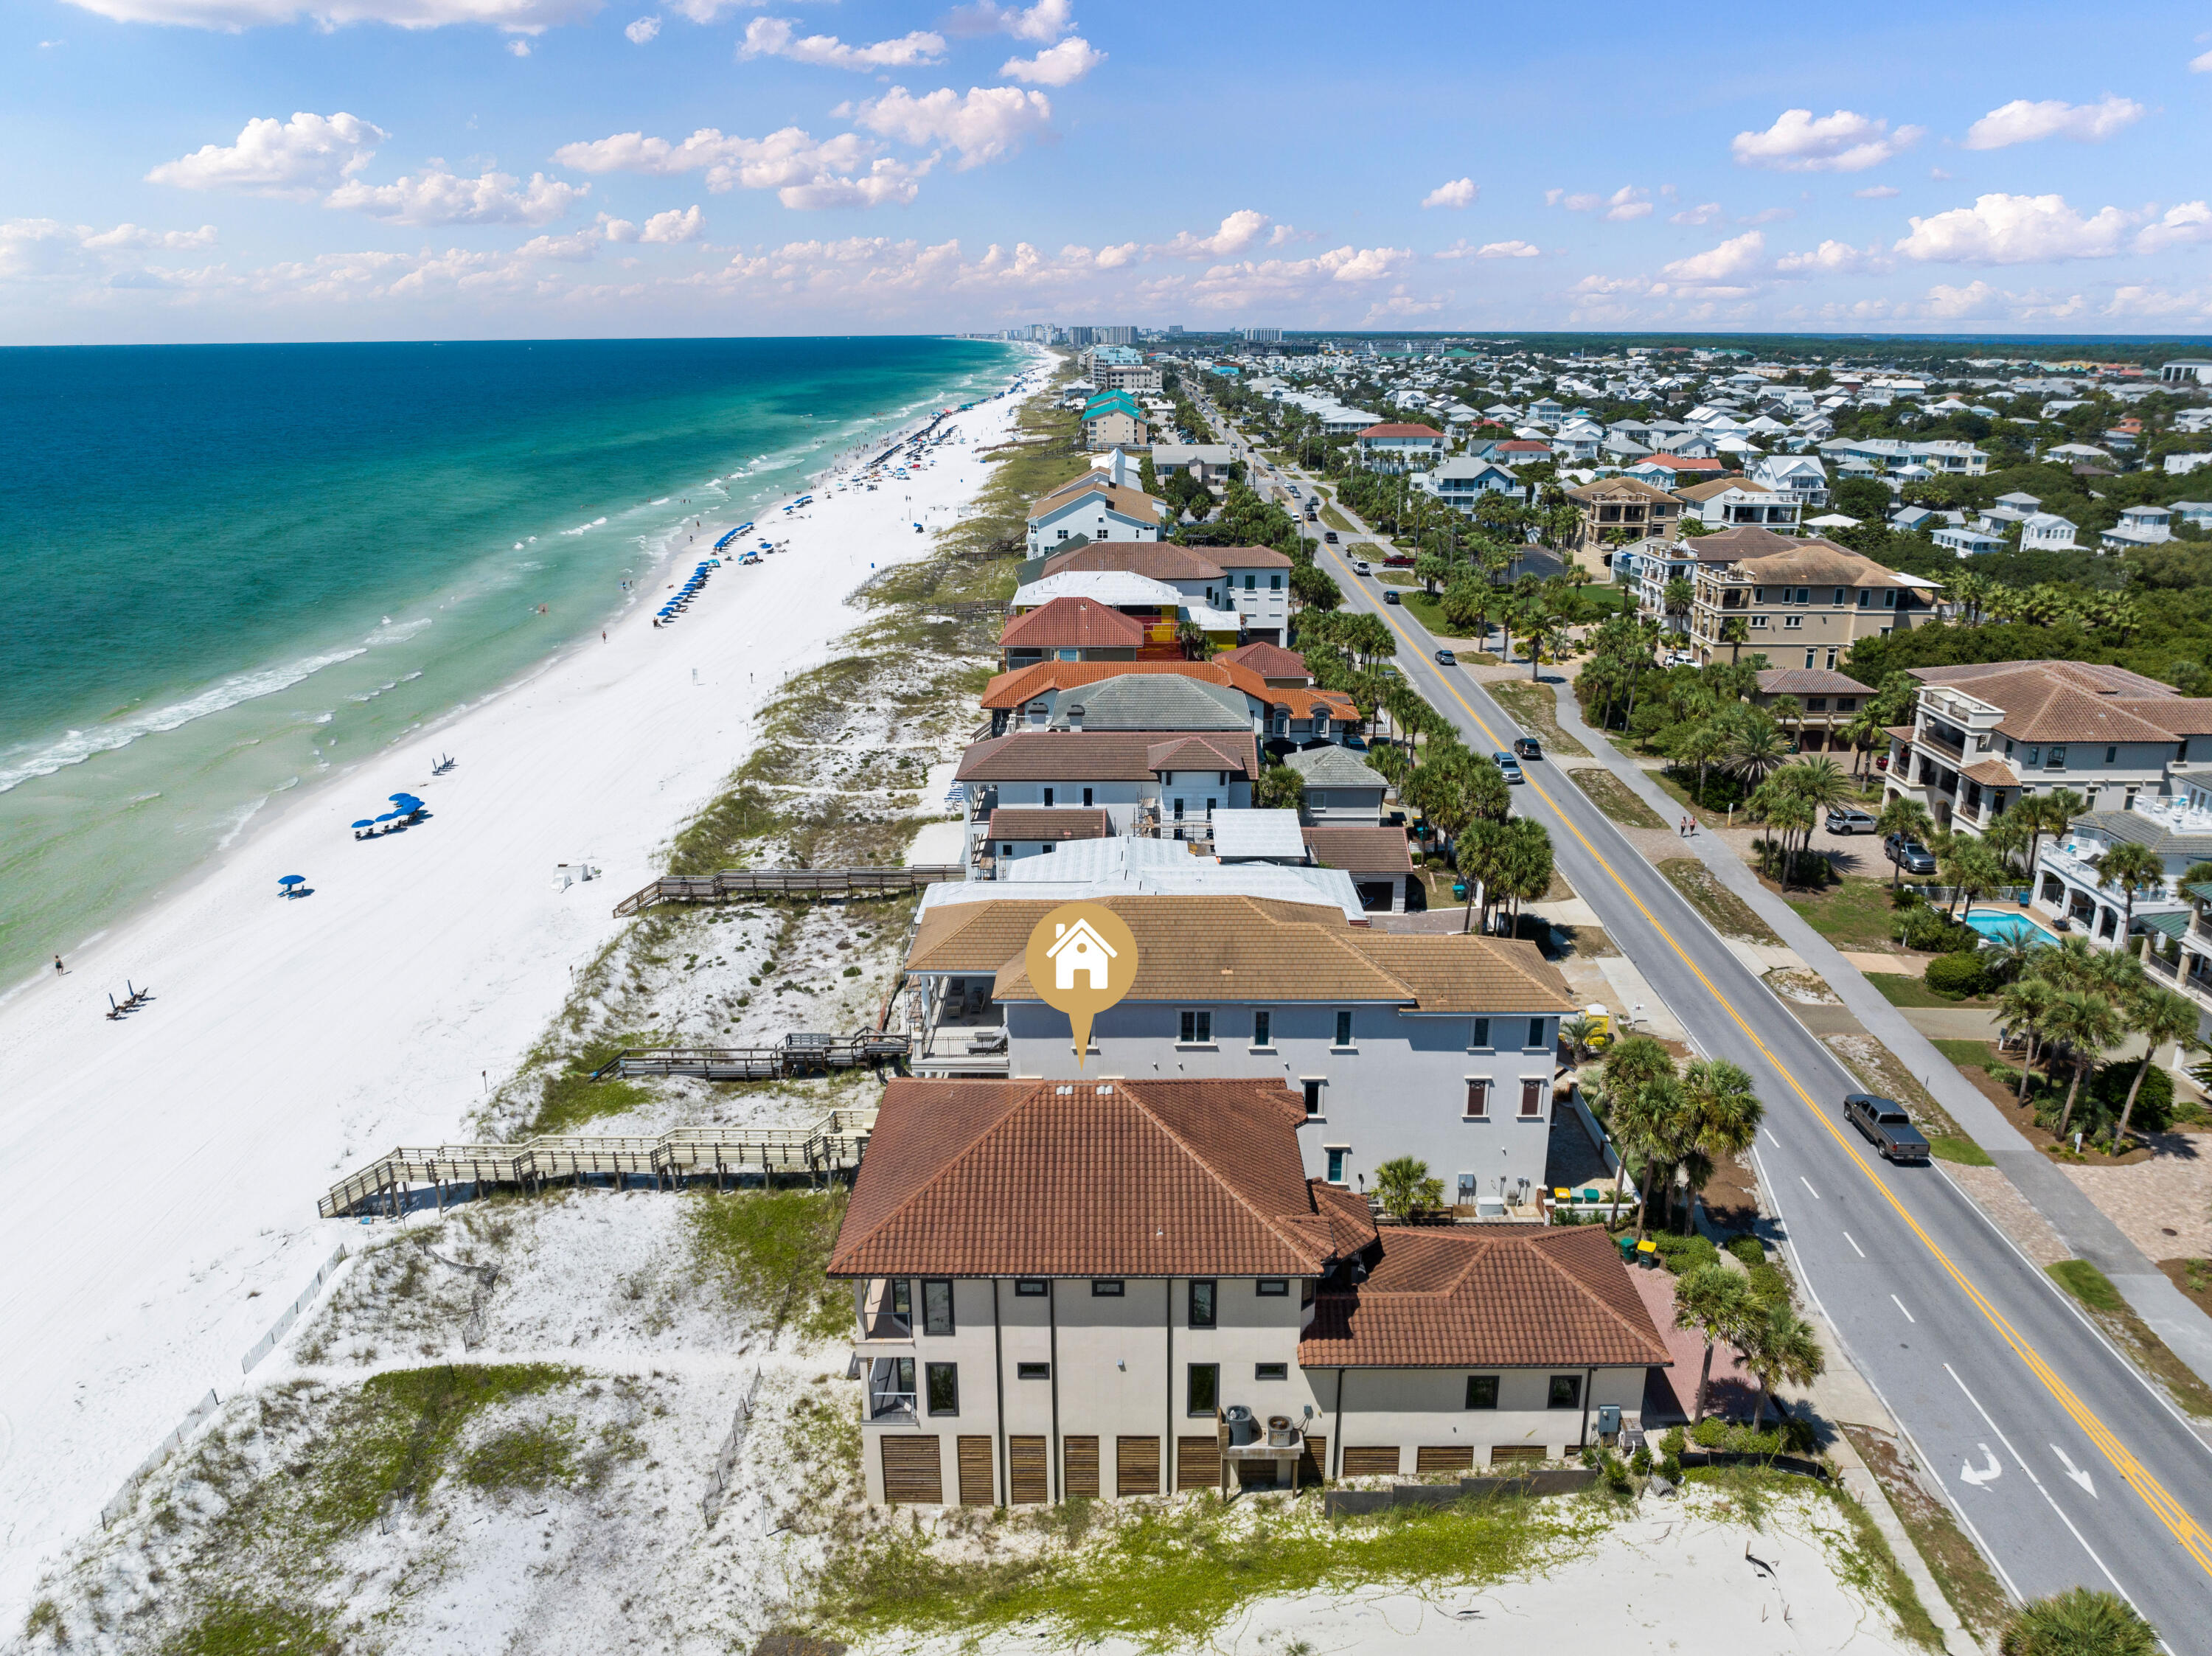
x=167 y=1166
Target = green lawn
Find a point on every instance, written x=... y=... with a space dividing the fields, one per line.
x=1900 y=991
x=1611 y=795
x=1855 y=914
x=1727 y=913
x=1337 y=520
x=1945 y=1147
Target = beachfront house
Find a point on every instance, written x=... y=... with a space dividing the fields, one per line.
x=1077 y=630
x=1253 y=581
x=1155 y=782
x=1800 y=602
x=1616 y=509
x=1115 y=418
x=1394 y=446
x=1438 y=1045
x=1053 y=696
x=1034 y=1325
x=1096 y=507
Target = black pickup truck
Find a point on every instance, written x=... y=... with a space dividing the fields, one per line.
x=1884 y=1121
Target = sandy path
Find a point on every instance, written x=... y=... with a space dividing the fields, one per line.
x=167 y=1167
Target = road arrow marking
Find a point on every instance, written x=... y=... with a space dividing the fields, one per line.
x=2074 y=1471
x=1989 y=1474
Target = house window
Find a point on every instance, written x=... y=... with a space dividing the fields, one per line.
x=1048 y=796
x=1532 y=1098
x=1273 y=1287
x=1202 y=1392
x=1481 y=1039
x=1839 y=595
x=1250 y=582
x=1478 y=1098
x=1201 y=1305
x=1197 y=1028
x=1791 y=622
x=1482 y=1391
x=2034 y=755
x=1536 y=1033
x=1048 y=847
x=1336 y=1154
x=1274 y=583
x=1263 y=1029
x=2057 y=761
x=1106 y=1287
x=1566 y=1392
x=1866 y=598
x=2111 y=755
x=1086 y=796
x=1758 y=622
x=1889 y=599
x=1316 y=801
x=1006 y=851
x=1030 y=1287
x=936 y=1307
x=1344 y=1029
x=1271 y=1371
x=901 y=1396
x=944 y=1387
x=1312 y=1090
x=1033 y=1371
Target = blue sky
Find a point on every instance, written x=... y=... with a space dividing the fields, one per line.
x=362 y=169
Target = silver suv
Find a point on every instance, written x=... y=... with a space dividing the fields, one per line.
x=1848 y=819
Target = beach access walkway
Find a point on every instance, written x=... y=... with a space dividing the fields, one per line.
x=798 y=1055
x=787 y=882
x=394 y=1184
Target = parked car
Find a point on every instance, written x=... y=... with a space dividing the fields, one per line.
x=1446 y=658
x=1509 y=765
x=1909 y=854
x=1849 y=819
x=1525 y=747
x=1390 y=595
x=1885 y=1123
x=1328 y=535
x=1361 y=566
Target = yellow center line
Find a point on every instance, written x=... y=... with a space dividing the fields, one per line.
x=2185 y=1529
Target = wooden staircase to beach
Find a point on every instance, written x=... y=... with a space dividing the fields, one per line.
x=788 y=883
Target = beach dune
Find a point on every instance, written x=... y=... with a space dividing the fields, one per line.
x=166 y=1168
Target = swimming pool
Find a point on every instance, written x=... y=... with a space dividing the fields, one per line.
x=2001 y=925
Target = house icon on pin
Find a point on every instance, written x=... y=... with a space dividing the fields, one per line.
x=1079 y=948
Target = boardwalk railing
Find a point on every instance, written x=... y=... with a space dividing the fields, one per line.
x=787 y=881
x=832 y=1144
x=799 y=1055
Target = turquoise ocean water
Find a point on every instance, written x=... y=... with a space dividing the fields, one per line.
x=230 y=569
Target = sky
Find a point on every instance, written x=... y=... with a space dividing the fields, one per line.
x=231 y=170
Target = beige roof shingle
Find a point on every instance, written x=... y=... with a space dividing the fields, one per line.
x=1097 y=756
x=1052 y=823
x=1360 y=850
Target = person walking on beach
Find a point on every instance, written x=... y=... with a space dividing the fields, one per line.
x=58 y=966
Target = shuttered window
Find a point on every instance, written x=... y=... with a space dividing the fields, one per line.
x=911 y=1477
x=1136 y=1466
x=1025 y=1466
x=975 y=1456
x=1445 y=1457
x=1371 y=1460
x=1478 y=1099
x=1532 y=1098
x=1079 y=1473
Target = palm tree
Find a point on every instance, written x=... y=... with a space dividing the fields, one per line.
x=1550 y=639
x=1724 y=1112
x=1700 y=745
x=1525 y=864
x=2158 y=1015
x=1755 y=751
x=2049 y=813
x=2086 y=1024
x=2079 y=1622
x=1907 y=818
x=1788 y=710
x=2025 y=1005
x=1719 y=1304
x=1777 y=1347
x=1405 y=1186
x=1788 y=816
x=1643 y=1101
x=1578 y=1033
x=1735 y=633
x=1861 y=731
x=2132 y=868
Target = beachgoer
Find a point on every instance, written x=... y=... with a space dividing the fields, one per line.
x=58 y=966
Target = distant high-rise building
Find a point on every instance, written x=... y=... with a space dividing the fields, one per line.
x=1174 y=327
x=1263 y=336
x=1113 y=335
x=1082 y=336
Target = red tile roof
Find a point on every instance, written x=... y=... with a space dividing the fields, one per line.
x=1389 y=428
x=1487 y=1297
x=1060 y=1179
x=1096 y=755
x=1073 y=623
x=1010 y=690
x=1268 y=660
x=1049 y=822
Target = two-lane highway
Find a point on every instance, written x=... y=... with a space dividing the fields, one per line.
x=2065 y=1464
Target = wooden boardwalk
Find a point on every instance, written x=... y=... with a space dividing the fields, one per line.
x=798 y=1055
x=832 y=1145
x=788 y=883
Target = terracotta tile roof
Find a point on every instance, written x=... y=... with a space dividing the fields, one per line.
x=1094 y=756
x=1211 y=752
x=1991 y=774
x=2076 y=702
x=1808 y=680
x=1298 y=702
x=1487 y=1297
x=2181 y=715
x=1360 y=850
x=1707 y=490
x=1681 y=462
x=1389 y=428
x=1049 y=822
x=1247 y=557
x=1059 y=1179
x=2062 y=713
x=1073 y=624
x=1268 y=660
x=1014 y=689
x=1618 y=489
x=2088 y=675
x=1246 y=949
x=1815 y=562
x=1159 y=560
x=1732 y=545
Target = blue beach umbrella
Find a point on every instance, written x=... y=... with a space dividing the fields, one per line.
x=289 y=881
x=364 y=823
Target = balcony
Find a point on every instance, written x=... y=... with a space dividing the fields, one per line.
x=1928 y=740
x=1151 y=823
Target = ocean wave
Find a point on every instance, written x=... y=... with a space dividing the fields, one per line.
x=403 y=630
x=75 y=746
x=580 y=528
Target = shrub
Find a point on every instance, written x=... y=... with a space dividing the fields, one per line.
x=2077 y=1622
x=1792 y=1437
x=1770 y=1283
x=1682 y=1253
x=1904 y=896
x=2153 y=1104
x=1747 y=1249
x=1671 y=1469
x=1640 y=1462
x=852 y=971
x=1927 y=929
x=1958 y=975
x=1670 y=1442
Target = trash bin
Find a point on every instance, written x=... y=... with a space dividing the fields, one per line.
x=1627 y=1249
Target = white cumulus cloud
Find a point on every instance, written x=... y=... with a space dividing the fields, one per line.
x=2192 y=221
x=1460 y=192
x=804 y=172
x=440 y=197
x=2002 y=229
x=989 y=124
x=1833 y=258
x=1704 y=213
x=1841 y=142
x=777 y=37
x=1061 y=66
x=1734 y=257
x=1237 y=232
x=643 y=30
x=2023 y=122
x=1626 y=203
x=300 y=157
x=1874 y=192
x=2200 y=64
x=517 y=48
x=516 y=16
x=46 y=250
x=676 y=225
x=1043 y=23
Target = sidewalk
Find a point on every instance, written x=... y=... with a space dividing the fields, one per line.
x=2083 y=1227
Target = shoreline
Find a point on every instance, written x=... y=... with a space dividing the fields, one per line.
x=289 y=1039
